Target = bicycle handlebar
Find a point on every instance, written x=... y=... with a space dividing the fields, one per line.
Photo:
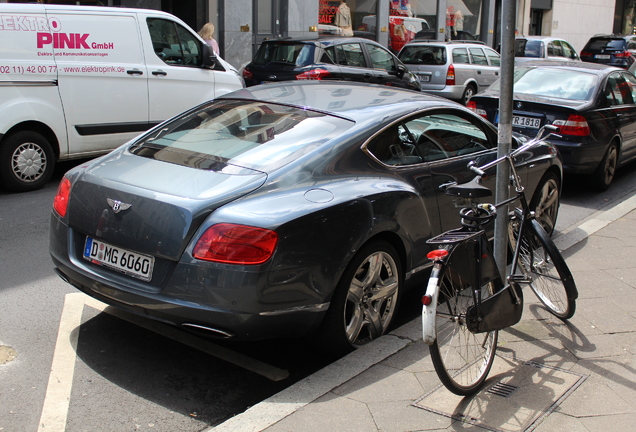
x=552 y=130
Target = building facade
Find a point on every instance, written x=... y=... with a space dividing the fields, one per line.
x=242 y=25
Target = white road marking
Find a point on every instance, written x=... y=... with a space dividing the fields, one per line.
x=58 y=391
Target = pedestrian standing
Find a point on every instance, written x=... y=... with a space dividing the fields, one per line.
x=207 y=33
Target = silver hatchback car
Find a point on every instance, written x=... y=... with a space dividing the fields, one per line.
x=529 y=48
x=455 y=70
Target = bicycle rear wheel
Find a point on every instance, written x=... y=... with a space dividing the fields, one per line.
x=552 y=280
x=461 y=359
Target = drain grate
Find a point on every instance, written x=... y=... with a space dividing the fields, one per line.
x=502 y=389
x=528 y=392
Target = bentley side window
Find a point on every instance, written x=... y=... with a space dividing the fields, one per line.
x=442 y=136
x=394 y=146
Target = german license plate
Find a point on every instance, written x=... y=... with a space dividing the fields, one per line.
x=526 y=122
x=602 y=56
x=424 y=78
x=122 y=260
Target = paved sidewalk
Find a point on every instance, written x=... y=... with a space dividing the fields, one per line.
x=548 y=375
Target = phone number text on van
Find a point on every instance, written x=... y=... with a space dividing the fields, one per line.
x=27 y=69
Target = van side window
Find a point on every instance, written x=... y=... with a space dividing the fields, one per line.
x=173 y=44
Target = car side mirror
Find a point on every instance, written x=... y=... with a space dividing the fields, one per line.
x=399 y=71
x=208 y=56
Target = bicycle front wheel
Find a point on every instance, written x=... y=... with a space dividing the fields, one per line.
x=551 y=279
x=462 y=359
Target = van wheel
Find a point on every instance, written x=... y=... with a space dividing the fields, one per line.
x=26 y=161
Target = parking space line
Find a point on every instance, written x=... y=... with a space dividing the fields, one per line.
x=58 y=390
x=270 y=372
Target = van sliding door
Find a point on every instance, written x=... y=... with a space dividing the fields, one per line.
x=102 y=78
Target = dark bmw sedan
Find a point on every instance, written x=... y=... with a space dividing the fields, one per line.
x=346 y=59
x=592 y=104
x=279 y=210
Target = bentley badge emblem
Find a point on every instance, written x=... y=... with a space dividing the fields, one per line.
x=117 y=206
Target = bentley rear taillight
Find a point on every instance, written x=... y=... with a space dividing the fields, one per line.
x=60 y=202
x=236 y=244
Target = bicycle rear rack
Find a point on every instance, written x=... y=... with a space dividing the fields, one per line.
x=454 y=236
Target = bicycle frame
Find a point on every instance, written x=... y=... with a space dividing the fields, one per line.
x=440 y=256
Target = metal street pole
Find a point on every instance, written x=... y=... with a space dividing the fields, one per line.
x=508 y=22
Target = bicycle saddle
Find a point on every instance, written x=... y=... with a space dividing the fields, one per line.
x=471 y=189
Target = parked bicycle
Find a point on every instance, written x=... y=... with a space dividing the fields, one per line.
x=466 y=301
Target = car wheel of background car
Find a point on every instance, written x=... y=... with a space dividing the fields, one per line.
x=26 y=161
x=604 y=174
x=468 y=93
x=365 y=299
x=545 y=202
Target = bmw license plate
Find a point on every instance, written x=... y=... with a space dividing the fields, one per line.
x=602 y=56
x=122 y=260
x=526 y=122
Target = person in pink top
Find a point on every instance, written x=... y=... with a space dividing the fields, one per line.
x=207 y=33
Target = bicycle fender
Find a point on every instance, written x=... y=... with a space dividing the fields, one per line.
x=428 y=312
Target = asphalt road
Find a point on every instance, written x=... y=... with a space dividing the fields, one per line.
x=81 y=366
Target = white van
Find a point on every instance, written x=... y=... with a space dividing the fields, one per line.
x=78 y=81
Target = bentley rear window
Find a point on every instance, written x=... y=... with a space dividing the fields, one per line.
x=228 y=135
